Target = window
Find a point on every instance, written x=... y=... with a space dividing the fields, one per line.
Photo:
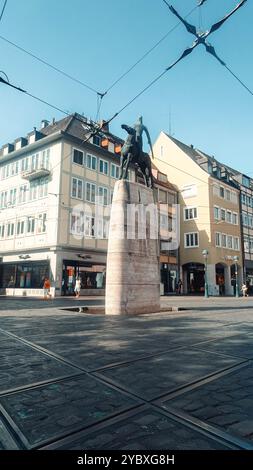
x=13 y=195
x=250 y=244
x=77 y=188
x=22 y=194
x=77 y=157
x=24 y=164
x=235 y=218
x=229 y=241
x=10 y=229
x=246 y=244
x=96 y=140
x=76 y=223
x=114 y=171
x=217 y=239
x=246 y=181
x=2 y=231
x=91 y=162
x=41 y=226
x=103 y=167
x=43 y=187
x=223 y=214
x=243 y=198
x=245 y=219
x=216 y=213
x=162 y=196
x=20 y=227
x=34 y=190
x=229 y=217
x=228 y=195
x=30 y=224
x=222 y=194
x=45 y=159
x=103 y=196
x=90 y=192
x=190 y=213
x=3 y=200
x=224 y=240
x=102 y=228
x=191 y=240
x=35 y=161
x=89 y=226
x=236 y=243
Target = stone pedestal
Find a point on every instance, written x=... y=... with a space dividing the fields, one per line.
x=133 y=272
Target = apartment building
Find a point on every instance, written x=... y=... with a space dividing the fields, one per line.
x=209 y=199
x=246 y=194
x=165 y=195
x=55 y=195
x=54 y=198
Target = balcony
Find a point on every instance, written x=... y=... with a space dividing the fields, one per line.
x=35 y=173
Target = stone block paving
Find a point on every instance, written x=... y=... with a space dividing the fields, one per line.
x=21 y=366
x=49 y=411
x=224 y=403
x=162 y=374
x=240 y=346
x=148 y=430
x=102 y=408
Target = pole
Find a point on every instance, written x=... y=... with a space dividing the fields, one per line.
x=206 y=283
x=236 y=280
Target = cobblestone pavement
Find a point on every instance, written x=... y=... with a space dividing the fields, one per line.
x=179 y=380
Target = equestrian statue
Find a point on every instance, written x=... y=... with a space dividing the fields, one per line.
x=132 y=152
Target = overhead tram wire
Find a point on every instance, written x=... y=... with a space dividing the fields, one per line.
x=147 y=52
x=100 y=95
x=2 y=12
x=57 y=69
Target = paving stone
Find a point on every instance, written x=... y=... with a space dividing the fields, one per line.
x=150 y=436
x=244 y=428
x=234 y=416
x=152 y=377
x=39 y=424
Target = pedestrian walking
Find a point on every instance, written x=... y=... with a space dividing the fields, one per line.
x=47 y=287
x=77 y=287
x=179 y=286
x=244 y=290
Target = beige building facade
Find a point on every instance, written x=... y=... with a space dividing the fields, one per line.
x=55 y=195
x=209 y=217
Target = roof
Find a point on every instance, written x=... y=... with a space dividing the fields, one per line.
x=200 y=157
x=76 y=125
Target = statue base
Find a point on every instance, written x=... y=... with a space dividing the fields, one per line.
x=133 y=273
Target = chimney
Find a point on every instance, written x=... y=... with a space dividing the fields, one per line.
x=104 y=126
x=44 y=123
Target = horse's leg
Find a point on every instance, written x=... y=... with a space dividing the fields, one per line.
x=128 y=159
x=122 y=161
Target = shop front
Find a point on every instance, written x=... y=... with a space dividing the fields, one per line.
x=193 y=278
x=92 y=276
x=24 y=275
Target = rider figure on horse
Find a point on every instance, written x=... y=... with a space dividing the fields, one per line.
x=132 y=151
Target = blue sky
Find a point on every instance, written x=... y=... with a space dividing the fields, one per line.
x=96 y=41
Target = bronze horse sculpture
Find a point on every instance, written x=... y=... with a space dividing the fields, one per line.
x=132 y=152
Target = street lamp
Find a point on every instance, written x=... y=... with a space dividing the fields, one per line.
x=205 y=254
x=236 y=258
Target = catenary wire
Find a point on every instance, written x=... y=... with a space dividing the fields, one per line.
x=2 y=12
x=148 y=52
x=51 y=66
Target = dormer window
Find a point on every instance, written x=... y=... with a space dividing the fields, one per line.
x=96 y=140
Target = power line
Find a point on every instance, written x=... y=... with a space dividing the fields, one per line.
x=65 y=74
x=2 y=12
x=147 y=52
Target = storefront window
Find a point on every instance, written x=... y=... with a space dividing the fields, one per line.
x=24 y=275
